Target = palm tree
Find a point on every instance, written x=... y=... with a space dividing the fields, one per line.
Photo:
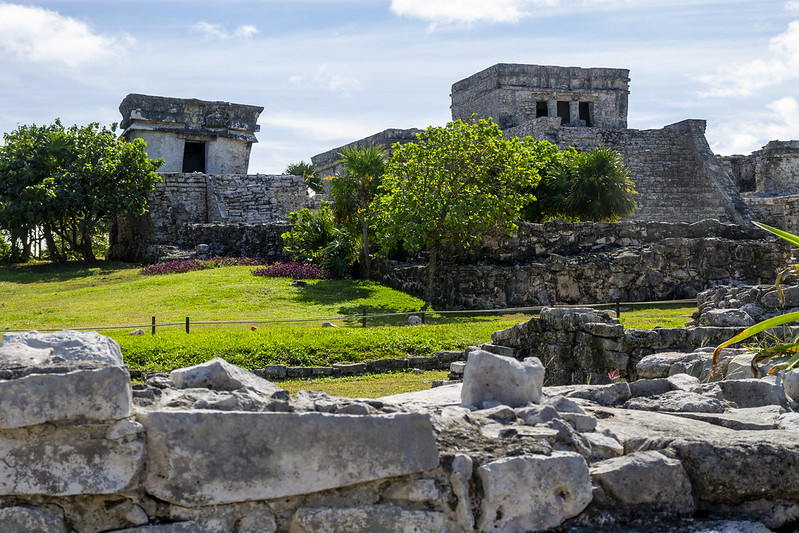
x=354 y=190
x=308 y=173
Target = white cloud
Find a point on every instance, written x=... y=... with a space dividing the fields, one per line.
x=34 y=34
x=792 y=6
x=329 y=77
x=780 y=64
x=744 y=136
x=318 y=128
x=217 y=31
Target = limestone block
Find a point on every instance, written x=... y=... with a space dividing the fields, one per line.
x=71 y=345
x=382 y=518
x=95 y=395
x=727 y=318
x=189 y=526
x=490 y=377
x=537 y=414
x=646 y=478
x=218 y=374
x=684 y=382
x=71 y=460
x=533 y=492
x=209 y=458
x=31 y=520
x=462 y=470
x=649 y=387
x=603 y=446
x=658 y=365
x=679 y=402
x=753 y=392
x=790 y=382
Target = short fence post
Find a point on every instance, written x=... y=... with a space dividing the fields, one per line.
x=187 y=324
x=363 y=320
x=423 y=315
x=618 y=309
x=153 y=326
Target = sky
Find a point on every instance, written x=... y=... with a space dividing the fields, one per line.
x=328 y=72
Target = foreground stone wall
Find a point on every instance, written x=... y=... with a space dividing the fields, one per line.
x=559 y=263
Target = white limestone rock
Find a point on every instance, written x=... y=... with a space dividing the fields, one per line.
x=71 y=460
x=217 y=374
x=92 y=395
x=495 y=378
x=658 y=365
x=753 y=392
x=790 y=382
x=210 y=458
x=678 y=401
x=71 y=345
x=382 y=518
x=643 y=479
x=533 y=492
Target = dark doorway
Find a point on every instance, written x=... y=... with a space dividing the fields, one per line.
x=585 y=114
x=541 y=109
x=563 y=112
x=194 y=157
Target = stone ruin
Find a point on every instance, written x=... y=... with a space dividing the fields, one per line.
x=216 y=449
x=677 y=176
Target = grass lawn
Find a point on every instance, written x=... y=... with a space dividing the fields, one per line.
x=44 y=296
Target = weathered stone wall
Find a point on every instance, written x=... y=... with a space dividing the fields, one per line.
x=560 y=263
x=185 y=209
x=677 y=176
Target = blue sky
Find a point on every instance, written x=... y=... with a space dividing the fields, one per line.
x=328 y=72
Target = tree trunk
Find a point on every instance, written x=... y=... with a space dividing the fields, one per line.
x=86 y=245
x=366 y=270
x=431 y=275
x=55 y=254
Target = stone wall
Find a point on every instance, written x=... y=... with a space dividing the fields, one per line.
x=185 y=209
x=561 y=263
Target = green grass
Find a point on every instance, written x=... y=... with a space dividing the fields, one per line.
x=372 y=386
x=44 y=296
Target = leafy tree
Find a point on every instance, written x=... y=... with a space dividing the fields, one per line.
x=455 y=185
x=354 y=191
x=68 y=181
x=309 y=173
x=589 y=186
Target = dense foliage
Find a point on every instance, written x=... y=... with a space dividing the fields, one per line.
x=315 y=238
x=455 y=185
x=65 y=183
x=583 y=186
x=292 y=270
x=354 y=191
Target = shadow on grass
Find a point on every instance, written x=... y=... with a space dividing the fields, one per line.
x=55 y=272
x=333 y=291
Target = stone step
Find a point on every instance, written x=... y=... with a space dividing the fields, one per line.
x=498 y=350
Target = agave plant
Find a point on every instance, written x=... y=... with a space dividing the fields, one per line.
x=786 y=353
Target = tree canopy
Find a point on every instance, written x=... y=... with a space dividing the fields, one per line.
x=455 y=185
x=67 y=181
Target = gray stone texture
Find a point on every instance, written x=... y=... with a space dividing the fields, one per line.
x=31 y=520
x=533 y=492
x=377 y=518
x=92 y=395
x=71 y=460
x=209 y=458
x=496 y=378
x=217 y=374
x=646 y=478
x=70 y=345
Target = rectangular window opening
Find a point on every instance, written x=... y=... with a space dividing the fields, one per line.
x=585 y=113
x=563 y=112
x=194 y=157
x=541 y=109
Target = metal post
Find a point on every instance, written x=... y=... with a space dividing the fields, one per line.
x=153 y=325
x=423 y=315
x=618 y=309
x=187 y=324
x=363 y=320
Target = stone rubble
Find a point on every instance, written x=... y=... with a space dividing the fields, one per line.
x=231 y=452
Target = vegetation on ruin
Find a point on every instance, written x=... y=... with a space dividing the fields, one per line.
x=785 y=353
x=60 y=185
x=371 y=386
x=315 y=238
x=455 y=185
x=45 y=296
x=308 y=173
